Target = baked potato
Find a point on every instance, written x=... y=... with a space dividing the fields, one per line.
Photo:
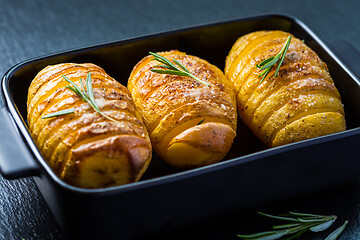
x=300 y=103
x=190 y=123
x=85 y=148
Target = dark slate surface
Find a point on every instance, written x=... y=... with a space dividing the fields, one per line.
x=32 y=28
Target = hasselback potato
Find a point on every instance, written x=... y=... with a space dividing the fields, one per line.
x=85 y=148
x=301 y=102
x=190 y=123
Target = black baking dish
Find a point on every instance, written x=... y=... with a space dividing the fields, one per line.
x=250 y=175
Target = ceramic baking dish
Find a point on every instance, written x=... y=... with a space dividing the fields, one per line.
x=167 y=198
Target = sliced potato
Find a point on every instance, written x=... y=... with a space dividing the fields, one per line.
x=84 y=148
x=303 y=90
x=190 y=124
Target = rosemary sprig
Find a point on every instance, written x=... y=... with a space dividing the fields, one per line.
x=299 y=223
x=268 y=63
x=173 y=69
x=86 y=95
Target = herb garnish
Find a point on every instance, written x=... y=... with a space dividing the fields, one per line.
x=201 y=121
x=171 y=68
x=298 y=224
x=86 y=95
x=267 y=64
x=59 y=113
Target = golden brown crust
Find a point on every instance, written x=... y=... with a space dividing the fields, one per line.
x=169 y=101
x=61 y=139
x=302 y=74
x=220 y=141
x=162 y=93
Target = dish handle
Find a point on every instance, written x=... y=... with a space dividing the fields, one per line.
x=16 y=161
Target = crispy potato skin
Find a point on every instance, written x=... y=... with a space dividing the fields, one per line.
x=302 y=102
x=172 y=106
x=84 y=148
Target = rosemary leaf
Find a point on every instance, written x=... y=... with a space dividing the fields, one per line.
x=171 y=72
x=90 y=93
x=181 y=66
x=82 y=85
x=201 y=121
x=59 y=113
x=266 y=72
x=263 y=63
x=335 y=234
x=284 y=50
x=268 y=63
x=286 y=225
x=310 y=220
x=279 y=217
x=305 y=215
x=74 y=90
x=323 y=226
x=173 y=69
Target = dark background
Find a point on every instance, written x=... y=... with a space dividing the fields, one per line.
x=33 y=28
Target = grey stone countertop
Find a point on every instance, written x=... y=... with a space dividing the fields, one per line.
x=33 y=28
